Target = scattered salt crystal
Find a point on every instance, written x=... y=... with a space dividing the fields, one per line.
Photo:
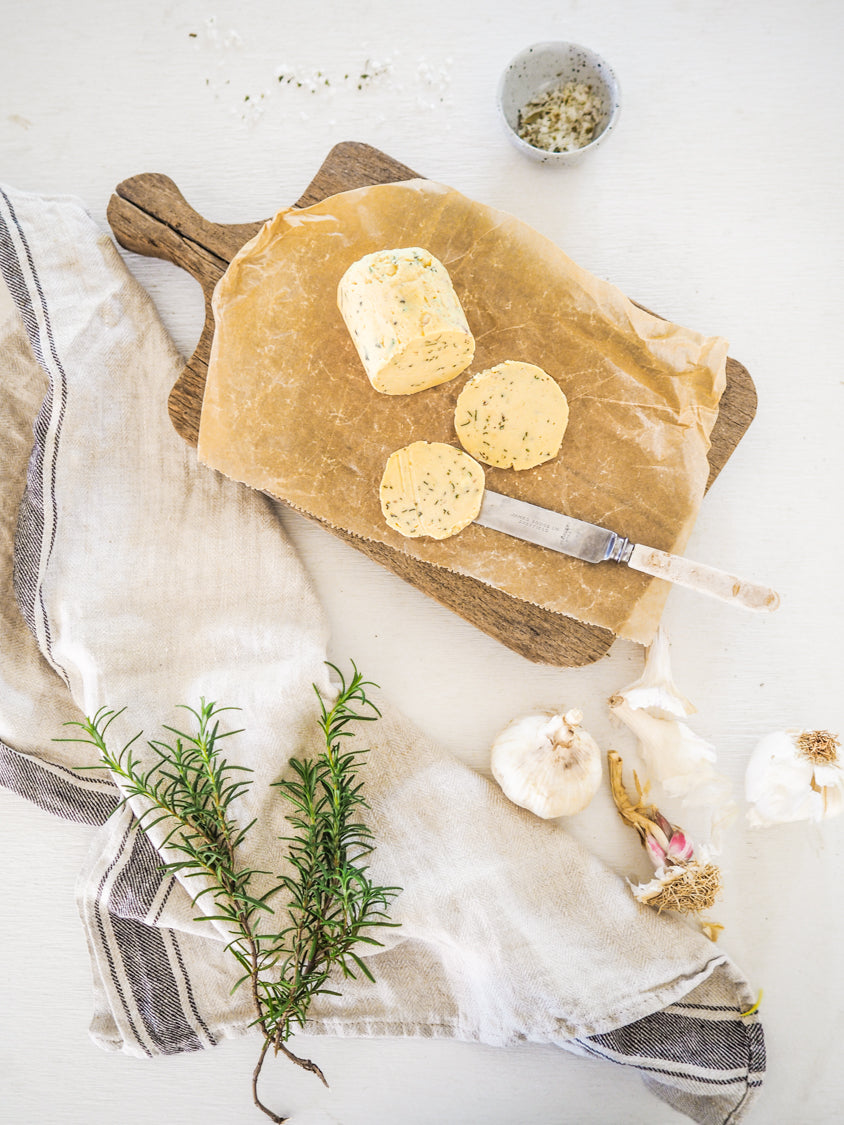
x=430 y=82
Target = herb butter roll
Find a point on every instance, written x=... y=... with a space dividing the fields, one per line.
x=405 y=319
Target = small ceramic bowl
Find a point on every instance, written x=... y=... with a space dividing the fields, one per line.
x=544 y=66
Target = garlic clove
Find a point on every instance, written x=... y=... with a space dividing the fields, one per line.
x=678 y=849
x=546 y=763
x=674 y=756
x=655 y=689
x=794 y=775
x=673 y=748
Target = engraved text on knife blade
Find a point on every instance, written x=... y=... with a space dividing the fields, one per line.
x=551 y=529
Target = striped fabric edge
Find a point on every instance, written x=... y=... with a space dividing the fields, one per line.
x=142 y=971
x=705 y=1060
x=35 y=536
x=56 y=789
x=154 y=1008
x=147 y=976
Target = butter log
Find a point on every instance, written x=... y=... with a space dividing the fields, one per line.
x=405 y=319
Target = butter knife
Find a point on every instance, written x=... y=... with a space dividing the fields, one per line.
x=594 y=544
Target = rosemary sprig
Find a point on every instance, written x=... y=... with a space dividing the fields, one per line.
x=331 y=904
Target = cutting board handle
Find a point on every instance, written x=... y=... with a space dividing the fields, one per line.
x=150 y=216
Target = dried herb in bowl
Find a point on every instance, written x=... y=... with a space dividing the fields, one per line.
x=564 y=118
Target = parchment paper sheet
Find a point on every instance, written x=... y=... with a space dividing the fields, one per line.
x=289 y=410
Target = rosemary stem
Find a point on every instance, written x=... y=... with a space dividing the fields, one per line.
x=306 y=1064
x=256 y=1073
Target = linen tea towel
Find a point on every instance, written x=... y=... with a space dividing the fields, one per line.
x=148 y=581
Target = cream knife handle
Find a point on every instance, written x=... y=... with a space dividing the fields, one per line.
x=705 y=579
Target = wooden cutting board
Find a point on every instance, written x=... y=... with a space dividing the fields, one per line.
x=149 y=216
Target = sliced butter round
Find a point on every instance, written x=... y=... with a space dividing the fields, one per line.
x=405 y=319
x=513 y=415
x=430 y=488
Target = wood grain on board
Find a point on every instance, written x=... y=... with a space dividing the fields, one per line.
x=149 y=216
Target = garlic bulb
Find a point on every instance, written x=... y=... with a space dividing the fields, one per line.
x=684 y=880
x=545 y=763
x=794 y=775
x=674 y=756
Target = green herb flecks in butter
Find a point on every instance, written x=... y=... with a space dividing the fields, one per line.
x=405 y=320
x=431 y=489
x=513 y=415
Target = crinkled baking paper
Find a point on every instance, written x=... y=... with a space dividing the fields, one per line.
x=288 y=408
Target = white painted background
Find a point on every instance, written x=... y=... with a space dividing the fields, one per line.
x=717 y=202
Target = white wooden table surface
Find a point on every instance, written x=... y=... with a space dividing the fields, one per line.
x=717 y=202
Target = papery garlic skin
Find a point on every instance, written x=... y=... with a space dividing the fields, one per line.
x=674 y=756
x=546 y=763
x=783 y=784
x=655 y=689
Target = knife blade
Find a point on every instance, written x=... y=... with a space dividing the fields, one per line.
x=594 y=544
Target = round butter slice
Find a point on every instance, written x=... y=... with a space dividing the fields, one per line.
x=513 y=415
x=405 y=319
x=430 y=488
